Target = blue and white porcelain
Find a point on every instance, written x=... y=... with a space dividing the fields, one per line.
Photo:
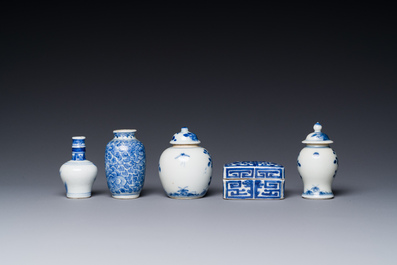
x=253 y=180
x=317 y=165
x=125 y=165
x=78 y=175
x=185 y=169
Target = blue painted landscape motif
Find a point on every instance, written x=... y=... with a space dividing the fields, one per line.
x=125 y=166
x=320 y=136
x=184 y=192
x=253 y=189
x=315 y=190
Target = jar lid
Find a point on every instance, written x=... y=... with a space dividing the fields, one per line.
x=184 y=137
x=317 y=137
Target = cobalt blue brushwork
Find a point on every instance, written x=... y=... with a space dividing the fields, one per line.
x=125 y=165
x=317 y=165
x=78 y=148
x=184 y=137
x=185 y=193
x=253 y=180
x=209 y=158
x=316 y=191
x=78 y=175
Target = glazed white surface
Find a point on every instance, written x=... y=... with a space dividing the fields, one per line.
x=185 y=167
x=317 y=167
x=79 y=176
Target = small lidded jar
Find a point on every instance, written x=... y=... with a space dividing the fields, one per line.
x=185 y=169
x=317 y=165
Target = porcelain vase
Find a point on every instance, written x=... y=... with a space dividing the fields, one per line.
x=317 y=165
x=125 y=165
x=185 y=169
x=78 y=174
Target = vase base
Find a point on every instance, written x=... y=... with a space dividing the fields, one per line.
x=318 y=197
x=185 y=198
x=78 y=195
x=125 y=197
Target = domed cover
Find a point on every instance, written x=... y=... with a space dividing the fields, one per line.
x=184 y=137
x=317 y=137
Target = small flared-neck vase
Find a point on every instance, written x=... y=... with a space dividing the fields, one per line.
x=125 y=165
x=185 y=169
x=317 y=165
x=78 y=174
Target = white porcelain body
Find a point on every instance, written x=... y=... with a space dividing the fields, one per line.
x=78 y=177
x=317 y=166
x=185 y=171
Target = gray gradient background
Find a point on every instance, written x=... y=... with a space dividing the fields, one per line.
x=250 y=85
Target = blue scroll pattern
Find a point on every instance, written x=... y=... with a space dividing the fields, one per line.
x=125 y=165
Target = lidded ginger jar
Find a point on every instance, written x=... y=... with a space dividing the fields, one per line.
x=185 y=169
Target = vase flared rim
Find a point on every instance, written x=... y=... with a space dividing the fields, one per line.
x=124 y=131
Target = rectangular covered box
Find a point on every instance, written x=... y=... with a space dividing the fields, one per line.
x=253 y=180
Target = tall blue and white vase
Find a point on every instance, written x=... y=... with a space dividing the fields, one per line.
x=125 y=165
x=185 y=169
x=78 y=175
x=317 y=165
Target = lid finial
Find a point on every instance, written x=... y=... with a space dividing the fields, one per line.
x=184 y=137
x=317 y=137
x=317 y=127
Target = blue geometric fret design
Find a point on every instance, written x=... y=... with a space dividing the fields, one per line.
x=268 y=189
x=238 y=189
x=253 y=169
x=239 y=173
x=253 y=189
x=252 y=164
x=253 y=180
x=266 y=173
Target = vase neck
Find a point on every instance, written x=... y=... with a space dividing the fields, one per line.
x=78 y=148
x=124 y=134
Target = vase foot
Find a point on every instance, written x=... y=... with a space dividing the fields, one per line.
x=78 y=195
x=318 y=197
x=126 y=197
x=185 y=198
